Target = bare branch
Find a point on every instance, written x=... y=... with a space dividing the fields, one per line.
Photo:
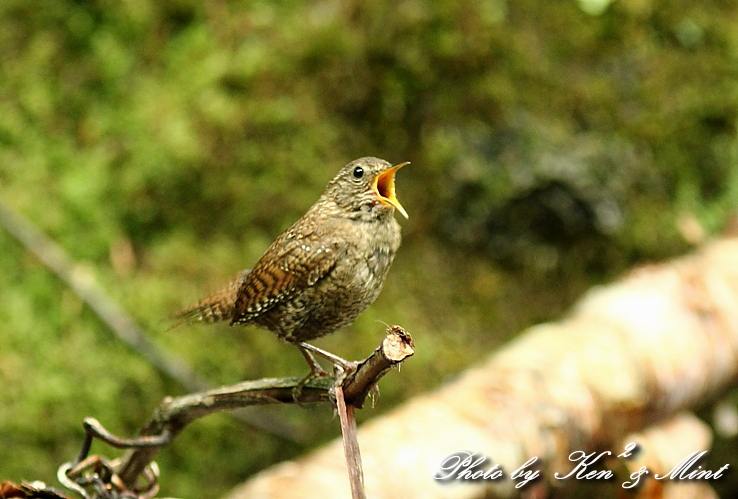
x=174 y=414
x=396 y=347
x=350 y=445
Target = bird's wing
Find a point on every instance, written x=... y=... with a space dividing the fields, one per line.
x=296 y=260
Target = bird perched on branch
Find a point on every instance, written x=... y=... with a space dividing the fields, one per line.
x=323 y=271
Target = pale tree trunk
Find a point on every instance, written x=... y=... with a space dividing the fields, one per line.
x=627 y=365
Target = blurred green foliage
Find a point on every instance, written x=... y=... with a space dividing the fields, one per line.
x=165 y=144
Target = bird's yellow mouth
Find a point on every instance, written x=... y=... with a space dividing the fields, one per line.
x=384 y=187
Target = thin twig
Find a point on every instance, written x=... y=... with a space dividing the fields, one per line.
x=396 y=347
x=174 y=414
x=117 y=319
x=350 y=445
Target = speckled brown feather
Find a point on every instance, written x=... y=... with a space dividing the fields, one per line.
x=216 y=307
x=321 y=272
x=296 y=260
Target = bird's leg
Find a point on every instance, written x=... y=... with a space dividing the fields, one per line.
x=306 y=349
x=345 y=365
x=316 y=371
x=342 y=367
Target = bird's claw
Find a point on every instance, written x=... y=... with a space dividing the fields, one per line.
x=341 y=368
x=340 y=373
x=315 y=372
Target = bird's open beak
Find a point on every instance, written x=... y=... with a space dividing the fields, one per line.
x=384 y=187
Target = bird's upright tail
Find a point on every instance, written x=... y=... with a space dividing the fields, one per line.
x=213 y=308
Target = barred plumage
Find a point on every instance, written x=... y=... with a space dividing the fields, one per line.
x=216 y=307
x=323 y=271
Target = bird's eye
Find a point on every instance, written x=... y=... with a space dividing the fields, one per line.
x=358 y=172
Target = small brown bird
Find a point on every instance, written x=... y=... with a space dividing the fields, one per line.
x=322 y=272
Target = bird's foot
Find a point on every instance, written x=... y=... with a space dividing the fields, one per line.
x=342 y=367
x=314 y=373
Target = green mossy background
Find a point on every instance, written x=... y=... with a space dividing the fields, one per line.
x=165 y=144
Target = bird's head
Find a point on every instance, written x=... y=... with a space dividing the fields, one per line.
x=365 y=188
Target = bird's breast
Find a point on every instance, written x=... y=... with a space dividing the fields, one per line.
x=370 y=254
x=353 y=283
